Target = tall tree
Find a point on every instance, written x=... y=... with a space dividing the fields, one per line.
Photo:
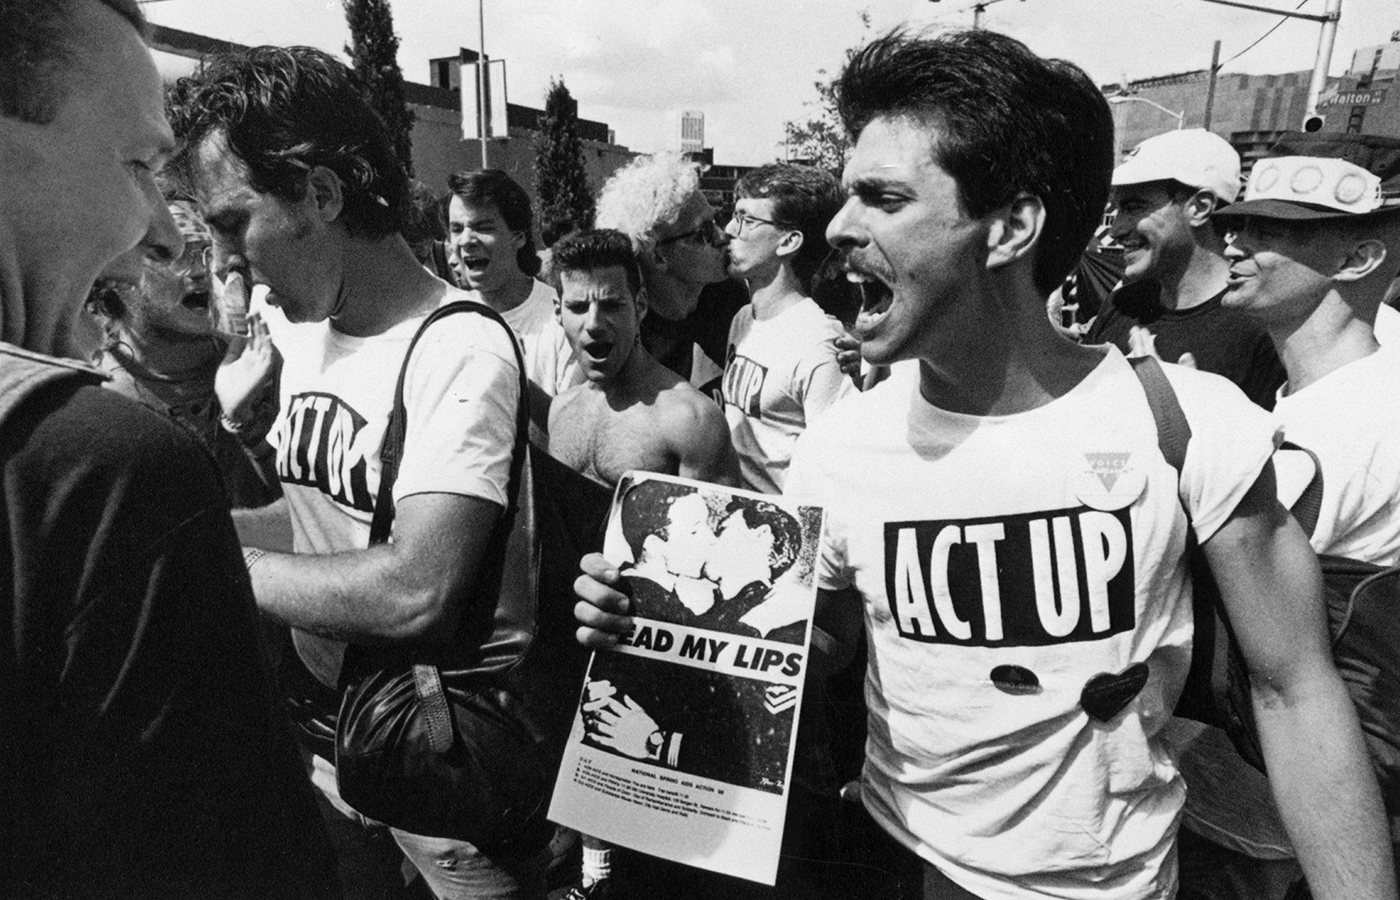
x=561 y=183
x=374 y=53
x=821 y=139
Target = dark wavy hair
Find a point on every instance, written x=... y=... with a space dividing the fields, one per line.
x=1007 y=122
x=804 y=198
x=787 y=533
x=588 y=251
x=495 y=187
x=284 y=111
x=646 y=511
x=36 y=53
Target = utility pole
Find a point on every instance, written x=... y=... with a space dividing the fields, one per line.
x=482 y=105
x=1311 y=120
x=1324 y=59
x=1210 y=85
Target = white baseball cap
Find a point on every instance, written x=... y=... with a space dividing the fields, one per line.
x=1193 y=156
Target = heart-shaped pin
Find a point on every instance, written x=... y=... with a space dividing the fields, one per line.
x=1105 y=695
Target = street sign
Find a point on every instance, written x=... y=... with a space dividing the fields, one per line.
x=1355 y=98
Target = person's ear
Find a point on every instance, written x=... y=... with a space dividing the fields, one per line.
x=641 y=301
x=1365 y=258
x=326 y=193
x=790 y=244
x=1199 y=207
x=1015 y=230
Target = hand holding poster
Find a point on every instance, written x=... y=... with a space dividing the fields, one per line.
x=682 y=746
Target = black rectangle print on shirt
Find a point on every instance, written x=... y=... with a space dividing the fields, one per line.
x=1053 y=577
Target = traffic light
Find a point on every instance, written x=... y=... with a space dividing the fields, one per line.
x=1313 y=123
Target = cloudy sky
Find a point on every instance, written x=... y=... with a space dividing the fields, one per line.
x=750 y=64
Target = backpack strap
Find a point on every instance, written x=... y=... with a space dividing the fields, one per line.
x=1173 y=431
x=1308 y=507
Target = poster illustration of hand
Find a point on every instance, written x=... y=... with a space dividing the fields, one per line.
x=683 y=741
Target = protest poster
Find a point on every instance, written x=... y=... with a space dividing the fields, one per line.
x=682 y=744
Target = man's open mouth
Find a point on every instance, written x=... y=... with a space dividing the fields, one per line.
x=598 y=350
x=476 y=264
x=876 y=297
x=196 y=301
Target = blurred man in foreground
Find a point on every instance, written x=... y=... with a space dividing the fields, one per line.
x=144 y=755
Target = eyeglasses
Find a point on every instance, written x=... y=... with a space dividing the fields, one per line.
x=743 y=220
x=706 y=235
x=194 y=257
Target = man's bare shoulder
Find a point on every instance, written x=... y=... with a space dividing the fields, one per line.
x=681 y=402
x=697 y=433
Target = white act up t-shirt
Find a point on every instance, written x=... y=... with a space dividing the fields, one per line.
x=1003 y=563
x=779 y=375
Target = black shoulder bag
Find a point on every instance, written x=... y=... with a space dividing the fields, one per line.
x=462 y=740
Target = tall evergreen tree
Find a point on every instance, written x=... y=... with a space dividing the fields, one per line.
x=561 y=183
x=374 y=53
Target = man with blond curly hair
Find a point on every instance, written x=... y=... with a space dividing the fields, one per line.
x=656 y=201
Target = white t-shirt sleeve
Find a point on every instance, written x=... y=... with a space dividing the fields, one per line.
x=824 y=384
x=461 y=393
x=1231 y=440
x=561 y=367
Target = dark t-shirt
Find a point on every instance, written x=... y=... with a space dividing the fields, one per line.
x=673 y=342
x=1224 y=341
x=141 y=753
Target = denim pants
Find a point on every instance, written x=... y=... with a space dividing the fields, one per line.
x=452 y=869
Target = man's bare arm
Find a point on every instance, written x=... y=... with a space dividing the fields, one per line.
x=1319 y=769
x=411 y=589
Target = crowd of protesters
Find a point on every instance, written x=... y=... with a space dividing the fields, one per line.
x=210 y=304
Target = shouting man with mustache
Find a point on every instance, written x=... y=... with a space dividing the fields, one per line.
x=1012 y=531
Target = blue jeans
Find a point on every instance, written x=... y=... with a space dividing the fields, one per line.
x=454 y=870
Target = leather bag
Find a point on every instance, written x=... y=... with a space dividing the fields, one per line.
x=463 y=740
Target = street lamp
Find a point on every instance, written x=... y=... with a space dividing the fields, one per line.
x=1128 y=98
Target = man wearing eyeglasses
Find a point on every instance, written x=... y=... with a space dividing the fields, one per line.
x=656 y=201
x=1311 y=249
x=161 y=348
x=780 y=368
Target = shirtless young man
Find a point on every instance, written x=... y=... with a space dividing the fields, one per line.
x=631 y=412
